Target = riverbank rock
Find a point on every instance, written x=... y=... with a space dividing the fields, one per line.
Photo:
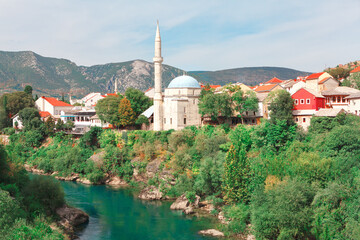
x=83 y=181
x=211 y=232
x=150 y=193
x=206 y=206
x=182 y=203
x=71 y=215
x=116 y=182
x=72 y=177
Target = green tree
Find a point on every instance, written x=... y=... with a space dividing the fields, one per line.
x=16 y=101
x=352 y=81
x=108 y=109
x=28 y=90
x=215 y=106
x=30 y=118
x=59 y=125
x=139 y=101
x=339 y=72
x=126 y=113
x=245 y=102
x=49 y=126
x=283 y=212
x=237 y=176
x=281 y=106
x=142 y=120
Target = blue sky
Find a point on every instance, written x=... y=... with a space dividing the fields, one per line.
x=197 y=35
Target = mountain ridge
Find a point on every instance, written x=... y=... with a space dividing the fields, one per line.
x=58 y=76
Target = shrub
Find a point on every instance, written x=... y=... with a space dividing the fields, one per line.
x=191 y=196
x=9 y=131
x=283 y=212
x=238 y=217
x=9 y=210
x=43 y=194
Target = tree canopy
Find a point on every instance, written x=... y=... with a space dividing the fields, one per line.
x=30 y=118
x=126 y=113
x=281 y=106
x=215 y=105
x=139 y=101
x=107 y=109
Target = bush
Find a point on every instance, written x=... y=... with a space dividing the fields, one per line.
x=43 y=194
x=238 y=217
x=9 y=131
x=9 y=211
x=211 y=173
x=283 y=212
x=191 y=196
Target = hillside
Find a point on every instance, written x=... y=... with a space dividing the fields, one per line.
x=247 y=75
x=53 y=76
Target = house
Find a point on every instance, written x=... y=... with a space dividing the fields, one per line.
x=353 y=103
x=17 y=123
x=150 y=93
x=81 y=118
x=52 y=105
x=263 y=111
x=328 y=112
x=95 y=121
x=355 y=70
x=328 y=83
x=149 y=114
x=273 y=81
x=336 y=98
x=306 y=103
x=268 y=88
x=293 y=85
x=312 y=81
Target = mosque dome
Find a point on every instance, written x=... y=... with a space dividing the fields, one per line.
x=184 y=82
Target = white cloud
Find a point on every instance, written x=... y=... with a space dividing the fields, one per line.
x=305 y=35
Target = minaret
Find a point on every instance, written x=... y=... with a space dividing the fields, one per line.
x=158 y=99
x=116 y=89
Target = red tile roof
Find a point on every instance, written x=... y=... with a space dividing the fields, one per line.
x=55 y=102
x=44 y=114
x=274 y=80
x=112 y=94
x=355 y=70
x=314 y=76
x=265 y=88
x=149 y=89
x=211 y=86
x=324 y=80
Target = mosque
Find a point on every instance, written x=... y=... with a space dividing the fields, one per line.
x=177 y=106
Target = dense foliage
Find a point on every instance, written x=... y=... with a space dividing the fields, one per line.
x=24 y=203
x=289 y=184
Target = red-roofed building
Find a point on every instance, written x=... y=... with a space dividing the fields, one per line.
x=312 y=81
x=267 y=88
x=52 y=105
x=355 y=70
x=112 y=94
x=44 y=114
x=211 y=86
x=306 y=103
x=274 y=80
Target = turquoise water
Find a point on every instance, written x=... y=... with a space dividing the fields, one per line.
x=118 y=214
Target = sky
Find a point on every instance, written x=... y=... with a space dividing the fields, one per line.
x=307 y=35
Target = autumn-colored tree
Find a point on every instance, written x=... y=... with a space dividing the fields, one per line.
x=126 y=113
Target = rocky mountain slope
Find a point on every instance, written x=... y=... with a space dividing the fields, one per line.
x=53 y=76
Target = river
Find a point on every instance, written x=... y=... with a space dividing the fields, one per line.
x=118 y=214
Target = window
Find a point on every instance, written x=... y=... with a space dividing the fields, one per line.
x=253 y=121
x=308 y=101
x=355 y=112
x=170 y=120
x=184 y=109
x=296 y=119
x=338 y=99
x=296 y=101
x=184 y=121
x=165 y=120
x=301 y=101
x=254 y=112
x=343 y=100
x=304 y=119
x=334 y=99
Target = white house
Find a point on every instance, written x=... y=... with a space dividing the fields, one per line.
x=52 y=105
x=353 y=104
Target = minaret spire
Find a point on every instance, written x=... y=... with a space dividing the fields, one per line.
x=158 y=111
